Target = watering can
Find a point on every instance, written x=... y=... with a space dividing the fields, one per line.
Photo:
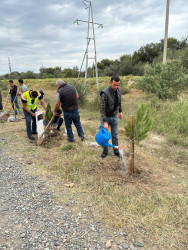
x=103 y=136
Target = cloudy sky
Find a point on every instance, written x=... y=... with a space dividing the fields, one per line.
x=35 y=33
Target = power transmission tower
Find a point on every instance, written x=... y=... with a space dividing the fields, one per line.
x=166 y=31
x=9 y=64
x=88 y=5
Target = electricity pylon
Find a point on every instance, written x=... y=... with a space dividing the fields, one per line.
x=9 y=64
x=89 y=22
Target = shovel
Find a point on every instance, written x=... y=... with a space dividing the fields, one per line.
x=12 y=106
x=4 y=112
x=41 y=138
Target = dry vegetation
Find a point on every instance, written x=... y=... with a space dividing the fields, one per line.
x=150 y=205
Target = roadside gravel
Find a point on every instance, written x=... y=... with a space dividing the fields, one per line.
x=31 y=219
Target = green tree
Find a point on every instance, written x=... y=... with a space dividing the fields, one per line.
x=104 y=63
x=163 y=80
x=81 y=89
x=49 y=112
x=147 y=53
x=142 y=124
x=67 y=73
x=126 y=65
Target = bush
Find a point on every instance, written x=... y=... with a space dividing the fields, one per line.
x=155 y=102
x=164 y=80
x=81 y=89
x=96 y=103
x=4 y=85
x=49 y=113
x=124 y=87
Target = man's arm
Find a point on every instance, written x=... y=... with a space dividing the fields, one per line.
x=27 y=110
x=103 y=110
x=43 y=103
x=120 y=110
x=56 y=108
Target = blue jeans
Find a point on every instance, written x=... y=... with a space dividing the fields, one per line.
x=113 y=123
x=69 y=117
x=28 y=119
x=16 y=102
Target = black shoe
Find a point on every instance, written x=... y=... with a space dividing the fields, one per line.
x=82 y=138
x=31 y=138
x=104 y=154
x=70 y=141
x=34 y=133
x=117 y=154
x=58 y=129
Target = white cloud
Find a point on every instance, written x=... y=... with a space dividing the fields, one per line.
x=35 y=33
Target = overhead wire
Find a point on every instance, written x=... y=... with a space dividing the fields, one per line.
x=127 y=2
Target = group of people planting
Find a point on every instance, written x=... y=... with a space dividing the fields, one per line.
x=67 y=96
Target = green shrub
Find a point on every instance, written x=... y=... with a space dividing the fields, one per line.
x=163 y=80
x=96 y=102
x=124 y=87
x=81 y=89
x=4 y=85
x=142 y=124
x=155 y=102
x=49 y=113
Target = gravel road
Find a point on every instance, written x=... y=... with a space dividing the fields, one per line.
x=31 y=219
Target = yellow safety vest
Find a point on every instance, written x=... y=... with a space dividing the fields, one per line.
x=30 y=105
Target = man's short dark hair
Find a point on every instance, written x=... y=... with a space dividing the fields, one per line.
x=34 y=94
x=20 y=81
x=115 y=78
x=11 y=81
x=59 y=111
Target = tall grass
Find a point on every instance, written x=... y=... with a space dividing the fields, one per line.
x=171 y=119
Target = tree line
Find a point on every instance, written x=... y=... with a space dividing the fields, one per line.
x=127 y=64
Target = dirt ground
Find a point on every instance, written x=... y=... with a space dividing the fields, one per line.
x=150 y=202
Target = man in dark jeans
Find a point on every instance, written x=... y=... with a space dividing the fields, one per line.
x=29 y=101
x=1 y=105
x=110 y=106
x=13 y=98
x=67 y=97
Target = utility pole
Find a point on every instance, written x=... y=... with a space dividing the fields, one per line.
x=9 y=64
x=88 y=5
x=93 y=68
x=166 y=32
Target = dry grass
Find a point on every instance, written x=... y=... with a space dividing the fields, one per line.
x=150 y=205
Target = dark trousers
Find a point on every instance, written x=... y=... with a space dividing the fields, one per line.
x=69 y=117
x=28 y=119
x=15 y=100
x=60 y=123
x=1 y=105
x=113 y=123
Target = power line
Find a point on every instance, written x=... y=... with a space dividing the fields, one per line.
x=105 y=25
x=140 y=10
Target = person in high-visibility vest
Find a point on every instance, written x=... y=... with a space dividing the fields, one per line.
x=29 y=102
x=1 y=105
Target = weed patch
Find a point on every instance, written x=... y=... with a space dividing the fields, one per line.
x=67 y=147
